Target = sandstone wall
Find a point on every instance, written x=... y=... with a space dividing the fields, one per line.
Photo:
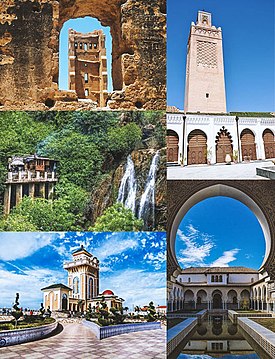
x=29 y=52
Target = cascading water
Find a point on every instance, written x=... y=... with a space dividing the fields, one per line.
x=128 y=186
x=148 y=197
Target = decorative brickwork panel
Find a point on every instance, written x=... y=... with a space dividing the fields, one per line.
x=207 y=54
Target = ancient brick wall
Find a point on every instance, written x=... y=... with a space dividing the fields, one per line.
x=29 y=51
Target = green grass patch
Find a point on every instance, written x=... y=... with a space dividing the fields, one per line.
x=268 y=323
x=24 y=325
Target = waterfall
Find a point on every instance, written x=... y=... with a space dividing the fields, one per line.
x=128 y=186
x=148 y=197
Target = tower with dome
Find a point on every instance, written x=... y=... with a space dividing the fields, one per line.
x=82 y=289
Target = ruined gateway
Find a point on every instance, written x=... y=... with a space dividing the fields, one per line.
x=29 y=52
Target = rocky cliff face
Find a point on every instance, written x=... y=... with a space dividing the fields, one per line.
x=107 y=191
x=29 y=52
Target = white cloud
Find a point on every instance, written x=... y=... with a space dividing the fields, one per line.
x=21 y=245
x=114 y=245
x=194 y=253
x=226 y=258
x=136 y=286
x=28 y=285
x=155 y=259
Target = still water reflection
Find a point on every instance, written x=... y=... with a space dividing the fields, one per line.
x=217 y=337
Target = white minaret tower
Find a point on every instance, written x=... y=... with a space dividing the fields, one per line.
x=205 y=88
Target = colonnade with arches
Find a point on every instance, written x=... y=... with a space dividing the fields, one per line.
x=208 y=298
x=198 y=139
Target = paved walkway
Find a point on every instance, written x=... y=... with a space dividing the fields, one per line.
x=77 y=341
x=218 y=171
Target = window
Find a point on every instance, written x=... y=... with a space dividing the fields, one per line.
x=85 y=65
x=220 y=278
x=90 y=288
x=75 y=285
x=252 y=280
x=85 y=46
x=75 y=45
x=86 y=92
x=80 y=45
x=212 y=279
x=189 y=280
x=86 y=78
x=95 y=46
x=90 y=45
x=207 y=95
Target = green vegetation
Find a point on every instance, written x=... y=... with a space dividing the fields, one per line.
x=117 y=218
x=268 y=323
x=17 y=312
x=152 y=314
x=106 y=317
x=88 y=147
x=23 y=324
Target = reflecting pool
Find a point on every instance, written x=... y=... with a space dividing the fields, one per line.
x=216 y=337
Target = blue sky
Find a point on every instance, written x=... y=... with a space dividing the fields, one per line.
x=220 y=231
x=133 y=265
x=248 y=42
x=86 y=24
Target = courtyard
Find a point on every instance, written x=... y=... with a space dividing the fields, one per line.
x=74 y=340
x=244 y=170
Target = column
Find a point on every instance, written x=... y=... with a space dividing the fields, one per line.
x=19 y=193
x=31 y=190
x=7 y=199
x=259 y=140
x=42 y=189
x=51 y=190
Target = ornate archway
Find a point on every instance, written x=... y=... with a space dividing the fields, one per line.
x=172 y=141
x=248 y=145
x=197 y=148
x=223 y=145
x=269 y=143
x=259 y=197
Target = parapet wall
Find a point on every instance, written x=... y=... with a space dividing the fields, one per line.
x=12 y=337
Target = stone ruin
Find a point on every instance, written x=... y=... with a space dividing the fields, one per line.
x=29 y=53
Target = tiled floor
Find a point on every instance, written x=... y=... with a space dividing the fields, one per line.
x=218 y=171
x=77 y=341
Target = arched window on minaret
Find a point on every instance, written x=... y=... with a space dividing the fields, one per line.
x=76 y=285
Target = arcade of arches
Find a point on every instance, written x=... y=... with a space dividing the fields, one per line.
x=30 y=48
x=197 y=139
x=221 y=287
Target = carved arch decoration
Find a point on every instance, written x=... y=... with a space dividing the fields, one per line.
x=258 y=195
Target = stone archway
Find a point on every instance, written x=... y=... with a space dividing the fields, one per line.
x=269 y=143
x=217 y=300
x=197 y=148
x=172 y=140
x=257 y=197
x=29 y=68
x=248 y=145
x=223 y=145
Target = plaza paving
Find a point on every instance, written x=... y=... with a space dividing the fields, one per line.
x=77 y=341
x=218 y=171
